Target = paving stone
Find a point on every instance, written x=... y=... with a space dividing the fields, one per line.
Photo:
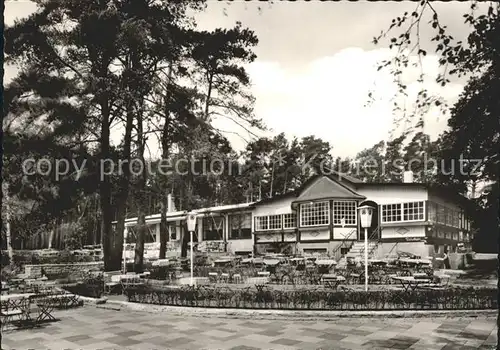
x=93 y=328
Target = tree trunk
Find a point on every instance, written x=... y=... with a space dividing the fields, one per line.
x=163 y=229
x=8 y=233
x=112 y=259
x=141 y=214
x=272 y=180
x=164 y=236
x=124 y=182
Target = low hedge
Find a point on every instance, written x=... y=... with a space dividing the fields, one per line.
x=320 y=299
x=92 y=286
x=33 y=257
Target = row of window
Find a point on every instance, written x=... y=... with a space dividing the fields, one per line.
x=456 y=236
x=444 y=215
x=403 y=212
x=318 y=213
x=275 y=222
x=344 y=213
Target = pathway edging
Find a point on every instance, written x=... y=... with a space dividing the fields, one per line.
x=283 y=314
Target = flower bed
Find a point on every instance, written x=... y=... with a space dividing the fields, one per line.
x=258 y=298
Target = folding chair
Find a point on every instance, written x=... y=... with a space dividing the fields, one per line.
x=111 y=281
x=237 y=278
x=43 y=306
x=224 y=278
x=213 y=277
x=9 y=311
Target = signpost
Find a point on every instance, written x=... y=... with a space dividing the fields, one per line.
x=365 y=214
x=191 y=226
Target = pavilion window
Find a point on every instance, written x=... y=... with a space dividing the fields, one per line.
x=344 y=210
x=315 y=214
x=261 y=223
x=240 y=226
x=289 y=221
x=213 y=228
x=432 y=211
x=403 y=212
x=391 y=212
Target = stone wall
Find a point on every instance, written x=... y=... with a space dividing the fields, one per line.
x=61 y=270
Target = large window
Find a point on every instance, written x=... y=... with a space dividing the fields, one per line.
x=261 y=223
x=213 y=228
x=289 y=220
x=172 y=231
x=413 y=211
x=441 y=214
x=149 y=234
x=446 y=215
x=391 y=212
x=315 y=214
x=344 y=212
x=240 y=226
x=432 y=211
x=275 y=222
x=403 y=212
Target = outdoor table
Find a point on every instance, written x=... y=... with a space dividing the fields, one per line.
x=257 y=280
x=431 y=286
x=222 y=262
x=377 y=262
x=410 y=283
x=327 y=262
x=161 y=262
x=420 y=275
x=415 y=262
x=332 y=281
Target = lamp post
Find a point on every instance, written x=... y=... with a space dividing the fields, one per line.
x=365 y=215
x=191 y=226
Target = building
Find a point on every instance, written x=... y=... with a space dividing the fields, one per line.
x=322 y=217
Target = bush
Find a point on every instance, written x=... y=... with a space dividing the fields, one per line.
x=321 y=299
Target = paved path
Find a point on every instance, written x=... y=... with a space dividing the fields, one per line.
x=93 y=328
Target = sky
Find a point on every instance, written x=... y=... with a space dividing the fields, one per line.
x=316 y=64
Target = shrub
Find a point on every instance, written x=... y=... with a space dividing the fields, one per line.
x=320 y=299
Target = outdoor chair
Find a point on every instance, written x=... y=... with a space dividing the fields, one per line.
x=42 y=306
x=131 y=282
x=237 y=278
x=224 y=278
x=111 y=281
x=10 y=311
x=213 y=277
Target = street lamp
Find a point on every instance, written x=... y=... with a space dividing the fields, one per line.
x=191 y=226
x=365 y=215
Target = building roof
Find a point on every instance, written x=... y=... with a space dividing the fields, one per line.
x=334 y=176
x=200 y=212
x=326 y=187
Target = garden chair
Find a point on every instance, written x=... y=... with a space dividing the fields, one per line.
x=237 y=278
x=111 y=281
x=213 y=277
x=10 y=311
x=130 y=282
x=224 y=278
x=42 y=306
